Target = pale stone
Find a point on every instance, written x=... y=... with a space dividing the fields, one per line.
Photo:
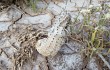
x=12 y=14
x=4 y=25
x=43 y=20
x=55 y=9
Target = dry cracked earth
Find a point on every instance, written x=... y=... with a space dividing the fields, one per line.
x=20 y=29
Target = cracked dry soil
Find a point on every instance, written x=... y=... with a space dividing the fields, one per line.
x=20 y=31
x=18 y=51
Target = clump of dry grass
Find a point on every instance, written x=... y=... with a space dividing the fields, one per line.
x=93 y=30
